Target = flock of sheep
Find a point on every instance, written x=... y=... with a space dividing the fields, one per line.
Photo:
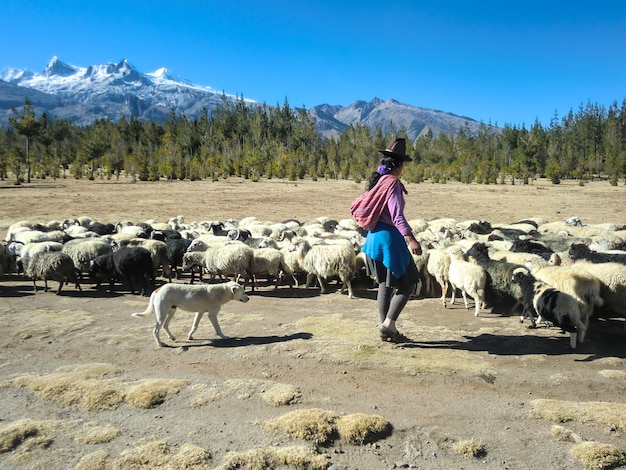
x=557 y=273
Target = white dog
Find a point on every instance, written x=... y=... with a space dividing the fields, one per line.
x=193 y=298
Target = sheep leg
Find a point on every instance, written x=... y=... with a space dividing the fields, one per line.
x=572 y=339
x=322 y=288
x=347 y=284
x=60 y=287
x=309 y=279
x=444 y=293
x=465 y=302
x=45 y=285
x=527 y=312
x=194 y=325
x=453 y=295
x=477 y=304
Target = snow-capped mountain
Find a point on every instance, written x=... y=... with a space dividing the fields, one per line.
x=107 y=91
x=113 y=90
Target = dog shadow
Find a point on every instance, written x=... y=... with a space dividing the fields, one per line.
x=242 y=342
x=294 y=293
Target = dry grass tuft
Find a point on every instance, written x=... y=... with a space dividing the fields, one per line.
x=152 y=392
x=614 y=374
x=282 y=395
x=205 y=394
x=360 y=428
x=313 y=425
x=81 y=385
x=469 y=448
x=88 y=386
x=597 y=456
x=564 y=435
x=271 y=458
x=191 y=456
x=559 y=411
x=98 y=460
x=321 y=427
x=13 y=434
x=94 y=434
x=159 y=454
x=274 y=393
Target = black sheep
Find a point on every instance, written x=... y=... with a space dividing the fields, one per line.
x=579 y=251
x=165 y=235
x=531 y=246
x=550 y=305
x=133 y=264
x=101 y=229
x=176 y=248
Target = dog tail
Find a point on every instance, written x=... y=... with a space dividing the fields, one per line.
x=150 y=308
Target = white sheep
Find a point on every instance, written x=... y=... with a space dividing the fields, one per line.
x=612 y=277
x=26 y=252
x=161 y=226
x=438 y=266
x=292 y=262
x=518 y=257
x=326 y=260
x=133 y=230
x=83 y=251
x=34 y=236
x=193 y=261
x=269 y=262
x=232 y=259
x=420 y=262
x=52 y=266
x=468 y=277
x=245 y=236
x=206 y=240
x=17 y=227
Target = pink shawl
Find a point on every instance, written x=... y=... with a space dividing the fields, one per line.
x=367 y=208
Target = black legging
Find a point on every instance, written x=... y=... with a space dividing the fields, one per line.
x=389 y=304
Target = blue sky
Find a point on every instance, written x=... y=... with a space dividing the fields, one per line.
x=497 y=62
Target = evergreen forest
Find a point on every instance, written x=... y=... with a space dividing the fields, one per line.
x=258 y=141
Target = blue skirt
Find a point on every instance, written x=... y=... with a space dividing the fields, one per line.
x=388 y=257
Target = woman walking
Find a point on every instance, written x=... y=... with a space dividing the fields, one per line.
x=390 y=243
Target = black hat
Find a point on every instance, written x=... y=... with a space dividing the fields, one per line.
x=397 y=149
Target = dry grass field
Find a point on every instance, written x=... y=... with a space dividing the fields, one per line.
x=304 y=382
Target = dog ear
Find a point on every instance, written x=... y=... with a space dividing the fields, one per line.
x=234 y=288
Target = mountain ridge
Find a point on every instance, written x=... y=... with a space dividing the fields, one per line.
x=112 y=90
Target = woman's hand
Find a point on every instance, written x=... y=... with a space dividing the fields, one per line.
x=415 y=247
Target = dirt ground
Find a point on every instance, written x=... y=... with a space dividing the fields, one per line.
x=478 y=380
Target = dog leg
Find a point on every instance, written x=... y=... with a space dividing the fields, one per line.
x=216 y=325
x=166 y=323
x=155 y=333
x=194 y=325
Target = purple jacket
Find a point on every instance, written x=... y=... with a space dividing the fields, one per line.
x=393 y=214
